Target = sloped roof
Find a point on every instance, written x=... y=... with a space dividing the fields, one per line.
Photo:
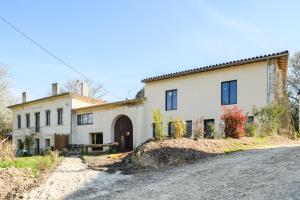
x=282 y=58
x=130 y=102
x=62 y=95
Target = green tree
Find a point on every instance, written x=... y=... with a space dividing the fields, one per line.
x=269 y=117
x=293 y=87
x=5 y=100
x=140 y=94
x=158 y=123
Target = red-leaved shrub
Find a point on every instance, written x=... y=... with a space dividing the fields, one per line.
x=234 y=121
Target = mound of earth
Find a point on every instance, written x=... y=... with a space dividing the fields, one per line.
x=13 y=182
x=170 y=152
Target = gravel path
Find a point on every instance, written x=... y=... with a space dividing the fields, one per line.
x=72 y=176
x=256 y=174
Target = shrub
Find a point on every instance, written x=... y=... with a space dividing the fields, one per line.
x=251 y=129
x=199 y=128
x=269 y=117
x=212 y=129
x=158 y=121
x=7 y=151
x=179 y=128
x=234 y=121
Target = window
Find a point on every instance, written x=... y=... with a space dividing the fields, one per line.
x=37 y=122
x=229 y=92
x=171 y=100
x=47 y=117
x=19 y=121
x=171 y=129
x=207 y=130
x=250 y=120
x=60 y=116
x=47 y=143
x=189 y=128
x=27 y=120
x=97 y=138
x=85 y=119
x=153 y=130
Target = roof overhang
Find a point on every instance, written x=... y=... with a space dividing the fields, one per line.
x=282 y=59
x=55 y=97
x=132 y=102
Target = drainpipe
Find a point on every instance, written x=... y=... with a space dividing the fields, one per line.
x=71 y=124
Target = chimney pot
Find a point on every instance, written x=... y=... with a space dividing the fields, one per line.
x=24 y=97
x=84 y=88
x=55 y=89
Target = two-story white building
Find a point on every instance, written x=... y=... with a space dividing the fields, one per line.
x=45 y=117
x=190 y=94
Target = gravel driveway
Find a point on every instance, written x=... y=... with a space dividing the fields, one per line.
x=256 y=174
x=72 y=177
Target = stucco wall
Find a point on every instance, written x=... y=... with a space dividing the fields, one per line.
x=103 y=122
x=200 y=94
x=45 y=131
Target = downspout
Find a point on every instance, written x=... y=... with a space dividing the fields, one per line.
x=71 y=124
x=268 y=77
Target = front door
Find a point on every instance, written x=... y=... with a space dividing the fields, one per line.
x=207 y=131
x=97 y=138
x=37 y=146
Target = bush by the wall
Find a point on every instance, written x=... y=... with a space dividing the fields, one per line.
x=179 y=128
x=212 y=130
x=269 y=118
x=234 y=122
x=251 y=129
x=159 y=127
x=199 y=128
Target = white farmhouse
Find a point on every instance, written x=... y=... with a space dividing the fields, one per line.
x=189 y=94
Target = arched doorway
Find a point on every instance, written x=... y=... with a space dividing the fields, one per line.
x=123 y=133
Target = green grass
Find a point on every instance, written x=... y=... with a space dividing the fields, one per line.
x=33 y=163
x=238 y=146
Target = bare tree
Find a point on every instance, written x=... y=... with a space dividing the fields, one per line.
x=73 y=86
x=293 y=86
x=5 y=100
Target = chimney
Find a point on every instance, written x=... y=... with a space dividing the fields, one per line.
x=84 y=88
x=24 y=97
x=55 y=89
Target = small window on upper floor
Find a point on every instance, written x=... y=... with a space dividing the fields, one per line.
x=48 y=112
x=60 y=116
x=27 y=120
x=19 y=121
x=229 y=92
x=171 y=100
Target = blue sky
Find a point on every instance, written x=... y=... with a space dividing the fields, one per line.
x=117 y=43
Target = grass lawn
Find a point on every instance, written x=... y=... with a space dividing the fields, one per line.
x=34 y=163
x=256 y=142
